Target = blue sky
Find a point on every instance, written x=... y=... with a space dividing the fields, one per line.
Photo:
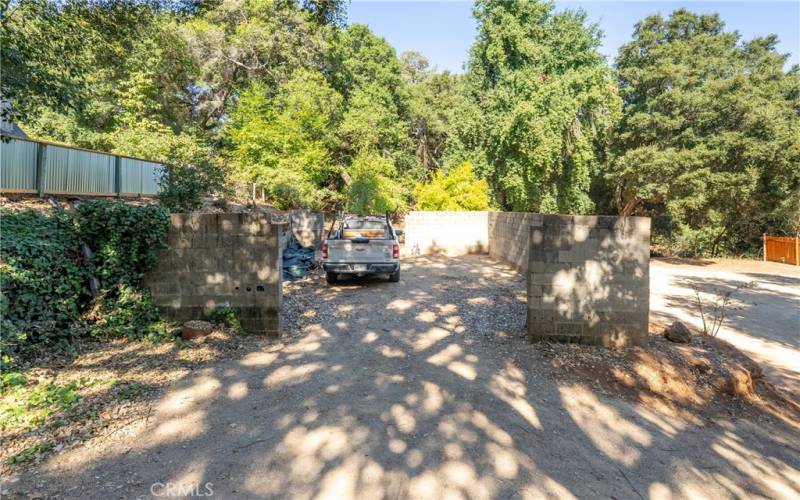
x=444 y=30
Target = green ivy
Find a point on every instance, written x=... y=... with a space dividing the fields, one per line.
x=124 y=239
x=43 y=284
x=45 y=277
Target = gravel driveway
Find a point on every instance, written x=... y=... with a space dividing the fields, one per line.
x=427 y=389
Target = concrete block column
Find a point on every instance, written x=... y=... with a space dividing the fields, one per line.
x=221 y=259
x=589 y=279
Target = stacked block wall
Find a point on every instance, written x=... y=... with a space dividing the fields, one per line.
x=588 y=279
x=450 y=233
x=221 y=259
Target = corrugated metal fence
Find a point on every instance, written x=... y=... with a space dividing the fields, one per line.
x=28 y=166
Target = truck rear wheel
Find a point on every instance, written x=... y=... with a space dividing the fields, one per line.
x=331 y=278
x=395 y=276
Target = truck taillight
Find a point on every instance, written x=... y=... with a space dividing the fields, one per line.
x=395 y=251
x=324 y=250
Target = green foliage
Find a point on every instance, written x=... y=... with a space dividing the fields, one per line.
x=29 y=453
x=284 y=95
x=131 y=390
x=124 y=238
x=264 y=41
x=184 y=185
x=24 y=406
x=285 y=143
x=546 y=103
x=45 y=275
x=39 y=43
x=372 y=188
x=359 y=58
x=710 y=141
x=43 y=284
x=225 y=316
x=457 y=190
x=125 y=311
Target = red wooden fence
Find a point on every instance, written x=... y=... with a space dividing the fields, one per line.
x=782 y=249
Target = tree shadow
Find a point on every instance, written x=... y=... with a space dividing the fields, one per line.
x=423 y=388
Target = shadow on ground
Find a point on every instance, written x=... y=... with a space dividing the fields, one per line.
x=762 y=318
x=424 y=388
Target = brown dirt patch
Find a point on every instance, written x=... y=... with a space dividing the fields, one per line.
x=118 y=382
x=707 y=377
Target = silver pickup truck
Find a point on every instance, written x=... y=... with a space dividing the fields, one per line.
x=361 y=245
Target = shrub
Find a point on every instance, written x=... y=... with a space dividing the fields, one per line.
x=225 y=316
x=43 y=284
x=45 y=277
x=289 y=189
x=124 y=239
x=372 y=188
x=183 y=186
x=457 y=190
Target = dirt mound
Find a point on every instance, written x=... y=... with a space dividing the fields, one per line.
x=705 y=374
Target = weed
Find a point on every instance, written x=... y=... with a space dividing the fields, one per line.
x=133 y=390
x=25 y=406
x=226 y=316
x=713 y=310
x=29 y=453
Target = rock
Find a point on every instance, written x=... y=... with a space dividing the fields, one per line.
x=678 y=332
x=196 y=329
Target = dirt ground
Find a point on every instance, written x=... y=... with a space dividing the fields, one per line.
x=764 y=320
x=425 y=388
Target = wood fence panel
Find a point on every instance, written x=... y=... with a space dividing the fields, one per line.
x=782 y=249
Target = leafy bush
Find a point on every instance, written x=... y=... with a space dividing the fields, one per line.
x=125 y=311
x=224 y=315
x=183 y=186
x=289 y=189
x=45 y=277
x=43 y=284
x=372 y=188
x=457 y=190
x=124 y=239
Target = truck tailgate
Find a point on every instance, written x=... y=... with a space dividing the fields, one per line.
x=378 y=250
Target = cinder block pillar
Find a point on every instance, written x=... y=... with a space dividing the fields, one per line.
x=589 y=279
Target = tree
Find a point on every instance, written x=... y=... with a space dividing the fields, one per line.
x=359 y=58
x=365 y=70
x=50 y=49
x=546 y=102
x=415 y=67
x=284 y=143
x=239 y=42
x=373 y=186
x=456 y=190
x=432 y=98
x=372 y=121
x=709 y=143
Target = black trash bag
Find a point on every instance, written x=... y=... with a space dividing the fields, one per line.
x=298 y=261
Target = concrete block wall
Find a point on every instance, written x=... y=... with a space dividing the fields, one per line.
x=450 y=233
x=308 y=227
x=588 y=279
x=221 y=259
x=509 y=234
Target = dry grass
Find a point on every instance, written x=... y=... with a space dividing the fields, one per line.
x=705 y=377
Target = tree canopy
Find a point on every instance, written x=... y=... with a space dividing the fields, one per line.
x=709 y=142
x=547 y=101
x=692 y=126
